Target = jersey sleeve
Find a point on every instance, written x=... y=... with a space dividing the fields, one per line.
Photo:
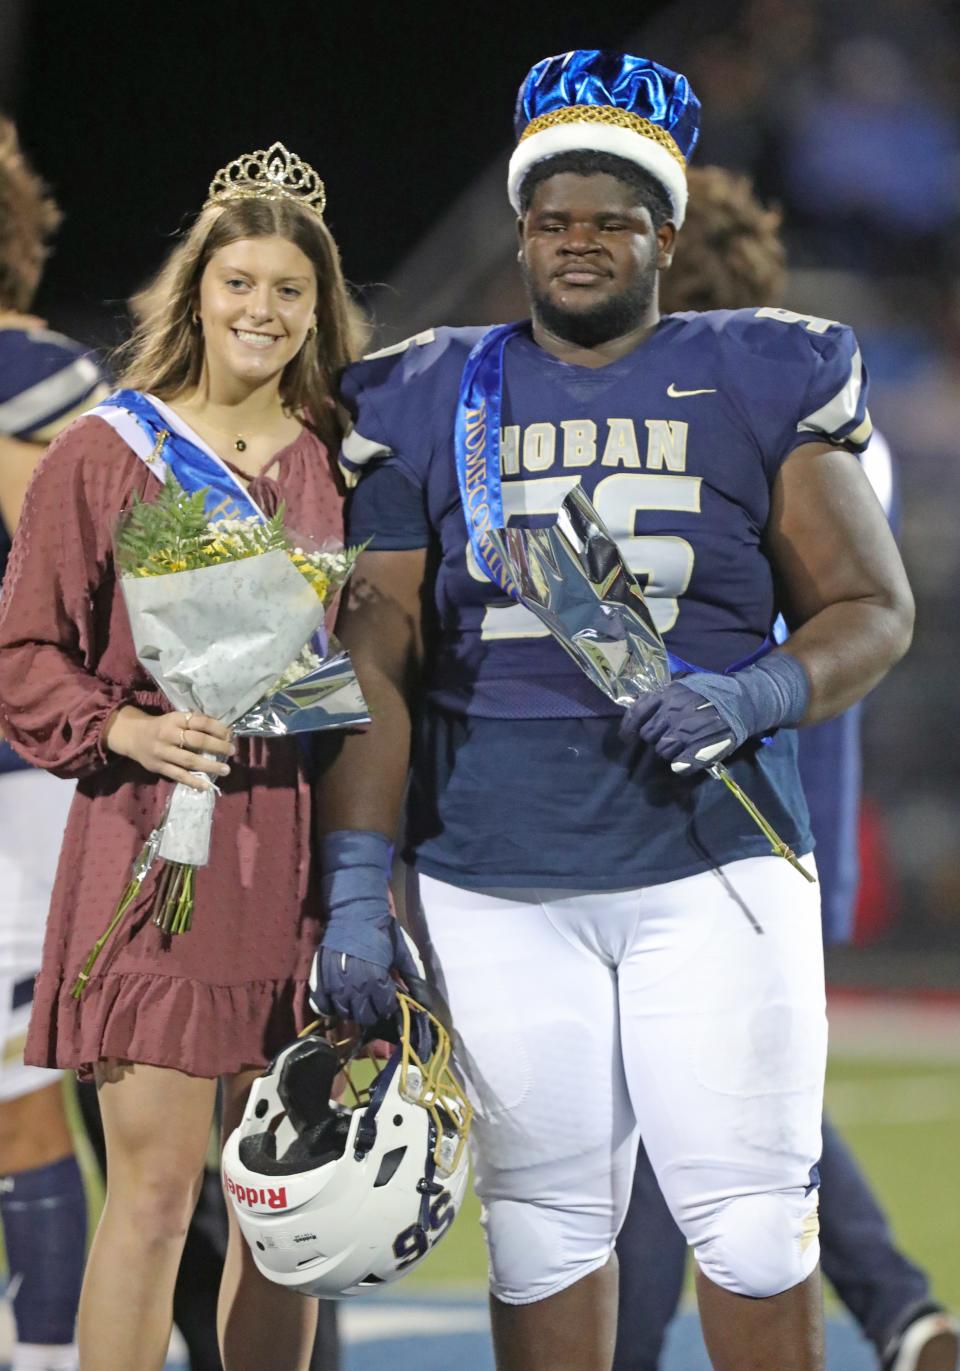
x=401 y=403
x=831 y=379
x=386 y=508
x=387 y=511
x=46 y=380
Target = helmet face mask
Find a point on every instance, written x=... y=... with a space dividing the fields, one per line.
x=427 y=1080
x=334 y=1199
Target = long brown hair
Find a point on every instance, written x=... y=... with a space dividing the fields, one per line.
x=28 y=218
x=165 y=352
x=729 y=253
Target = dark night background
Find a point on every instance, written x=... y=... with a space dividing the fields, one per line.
x=130 y=109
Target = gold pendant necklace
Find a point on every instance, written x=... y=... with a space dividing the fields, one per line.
x=240 y=443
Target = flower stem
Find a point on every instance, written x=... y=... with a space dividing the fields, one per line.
x=126 y=900
x=779 y=847
x=173 y=904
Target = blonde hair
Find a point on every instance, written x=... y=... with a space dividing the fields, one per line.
x=729 y=253
x=28 y=219
x=164 y=355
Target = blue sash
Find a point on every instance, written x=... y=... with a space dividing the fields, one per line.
x=477 y=451
x=192 y=466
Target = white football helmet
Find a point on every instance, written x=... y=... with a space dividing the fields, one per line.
x=333 y=1199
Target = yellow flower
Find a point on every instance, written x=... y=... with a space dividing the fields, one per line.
x=318 y=580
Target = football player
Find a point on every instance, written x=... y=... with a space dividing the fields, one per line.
x=730 y=255
x=618 y=948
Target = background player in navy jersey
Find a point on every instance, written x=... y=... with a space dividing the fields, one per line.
x=617 y=947
x=45 y=379
x=730 y=256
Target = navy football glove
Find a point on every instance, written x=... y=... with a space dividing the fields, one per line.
x=350 y=976
x=695 y=722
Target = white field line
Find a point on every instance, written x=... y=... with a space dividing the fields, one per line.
x=930 y=1098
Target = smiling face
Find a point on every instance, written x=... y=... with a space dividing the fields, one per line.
x=258 y=299
x=590 y=255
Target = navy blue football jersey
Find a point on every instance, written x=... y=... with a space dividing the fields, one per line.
x=45 y=380
x=678 y=444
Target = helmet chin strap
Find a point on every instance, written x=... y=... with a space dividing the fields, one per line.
x=305 y=1083
x=428 y=1186
x=367 y=1128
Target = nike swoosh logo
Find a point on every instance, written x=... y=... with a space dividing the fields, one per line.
x=680 y=394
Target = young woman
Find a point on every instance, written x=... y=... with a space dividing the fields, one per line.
x=239 y=339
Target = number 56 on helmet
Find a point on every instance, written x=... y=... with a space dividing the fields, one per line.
x=333 y=1199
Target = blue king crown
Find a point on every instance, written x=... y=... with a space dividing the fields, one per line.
x=597 y=101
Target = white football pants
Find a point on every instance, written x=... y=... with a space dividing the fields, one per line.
x=33 y=815
x=691 y=1013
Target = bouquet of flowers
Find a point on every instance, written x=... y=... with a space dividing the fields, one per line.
x=227 y=616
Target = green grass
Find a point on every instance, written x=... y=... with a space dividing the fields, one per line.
x=902 y=1121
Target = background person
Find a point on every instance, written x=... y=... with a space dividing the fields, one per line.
x=45 y=380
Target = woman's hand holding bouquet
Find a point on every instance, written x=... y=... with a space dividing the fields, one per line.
x=172 y=745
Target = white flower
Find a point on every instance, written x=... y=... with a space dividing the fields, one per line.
x=305 y=662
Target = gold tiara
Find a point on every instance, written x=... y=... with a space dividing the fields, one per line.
x=272 y=175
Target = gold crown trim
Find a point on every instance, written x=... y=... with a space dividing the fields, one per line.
x=605 y=114
x=271 y=174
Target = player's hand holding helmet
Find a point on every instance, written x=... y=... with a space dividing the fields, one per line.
x=697 y=721
x=336 y=1199
x=351 y=973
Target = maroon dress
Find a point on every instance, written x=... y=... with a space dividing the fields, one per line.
x=231 y=992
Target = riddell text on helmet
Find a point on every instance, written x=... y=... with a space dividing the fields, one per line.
x=251 y=1196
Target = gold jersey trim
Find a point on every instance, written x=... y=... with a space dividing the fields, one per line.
x=605 y=114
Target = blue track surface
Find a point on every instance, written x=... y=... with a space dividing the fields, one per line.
x=423 y=1336
x=444 y=1334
